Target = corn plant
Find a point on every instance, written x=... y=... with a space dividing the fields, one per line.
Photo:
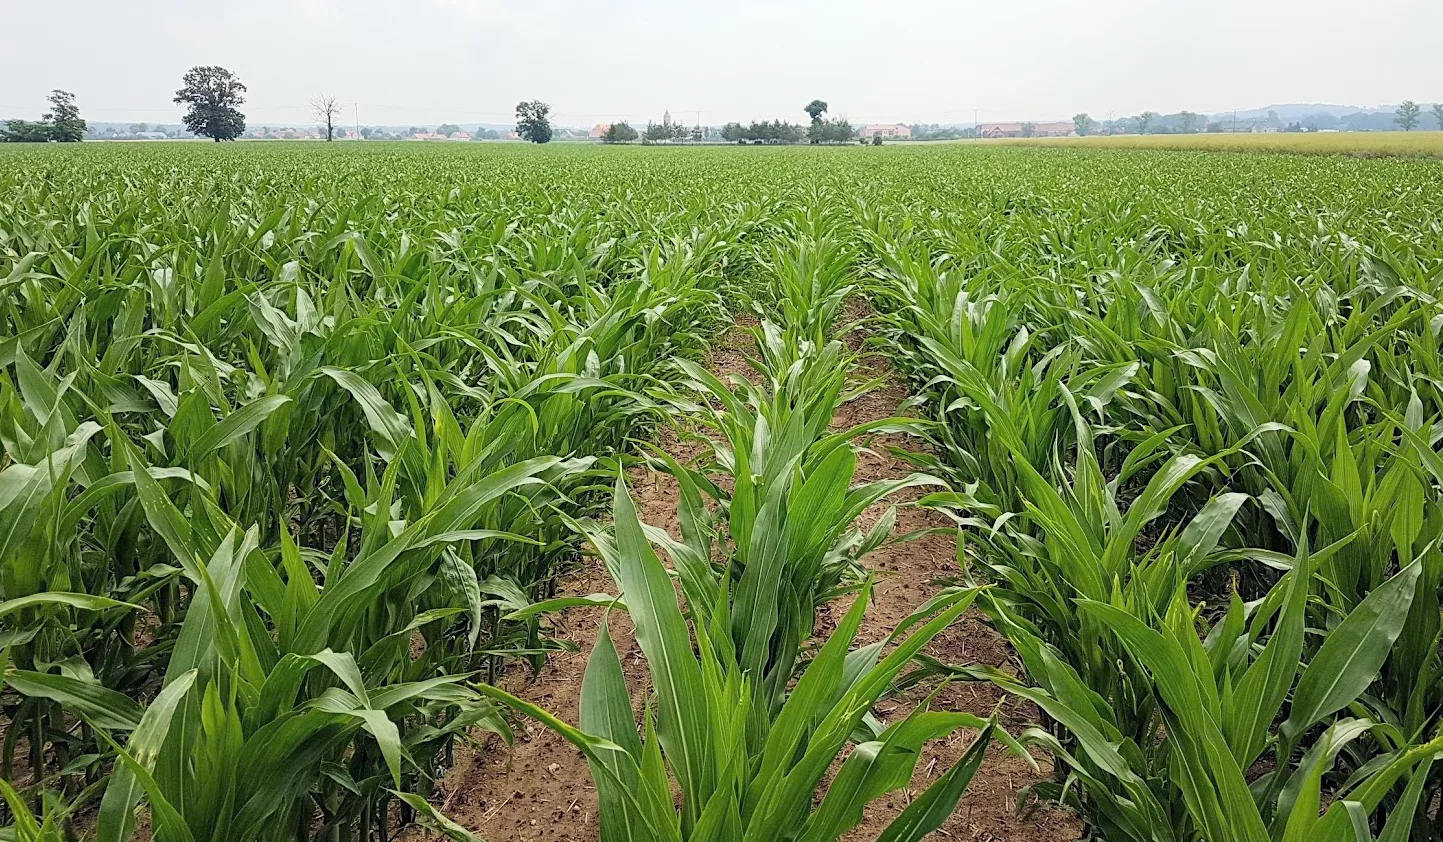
x=735 y=785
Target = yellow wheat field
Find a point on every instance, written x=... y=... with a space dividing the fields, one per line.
x=1407 y=144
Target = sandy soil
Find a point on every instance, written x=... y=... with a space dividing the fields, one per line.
x=542 y=789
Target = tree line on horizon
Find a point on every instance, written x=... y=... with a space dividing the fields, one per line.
x=212 y=94
x=1407 y=117
x=820 y=130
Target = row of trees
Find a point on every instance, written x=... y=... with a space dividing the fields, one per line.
x=821 y=130
x=1184 y=122
x=61 y=124
x=1407 y=117
x=667 y=130
x=1409 y=113
x=212 y=94
x=776 y=131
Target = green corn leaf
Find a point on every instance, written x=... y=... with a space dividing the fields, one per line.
x=1350 y=657
x=235 y=425
x=85 y=602
x=116 y=821
x=934 y=806
x=98 y=705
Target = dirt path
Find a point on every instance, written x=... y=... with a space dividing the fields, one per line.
x=542 y=790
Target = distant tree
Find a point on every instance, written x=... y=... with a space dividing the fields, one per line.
x=1028 y=130
x=212 y=93
x=734 y=132
x=838 y=130
x=1437 y=112
x=1145 y=120
x=326 y=109
x=621 y=132
x=876 y=140
x=787 y=132
x=367 y=132
x=1187 y=122
x=815 y=109
x=137 y=128
x=679 y=131
x=61 y=124
x=447 y=129
x=656 y=132
x=26 y=131
x=533 y=121
x=1407 y=115
x=1083 y=124
x=66 y=126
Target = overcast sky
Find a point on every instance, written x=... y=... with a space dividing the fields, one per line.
x=427 y=61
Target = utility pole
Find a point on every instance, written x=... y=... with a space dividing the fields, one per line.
x=356 y=110
x=976 y=127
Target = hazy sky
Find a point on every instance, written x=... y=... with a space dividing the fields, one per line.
x=425 y=61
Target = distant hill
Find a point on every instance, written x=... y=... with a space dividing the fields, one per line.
x=1298 y=110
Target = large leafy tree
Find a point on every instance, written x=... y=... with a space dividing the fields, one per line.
x=61 y=124
x=1407 y=115
x=1083 y=123
x=533 y=121
x=212 y=92
x=1438 y=114
x=66 y=125
x=815 y=109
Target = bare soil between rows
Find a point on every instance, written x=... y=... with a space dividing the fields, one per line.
x=542 y=790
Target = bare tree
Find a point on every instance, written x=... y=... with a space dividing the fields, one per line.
x=327 y=108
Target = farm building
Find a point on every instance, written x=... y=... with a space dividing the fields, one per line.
x=1063 y=129
x=1243 y=127
x=893 y=130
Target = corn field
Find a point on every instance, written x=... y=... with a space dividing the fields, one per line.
x=299 y=440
